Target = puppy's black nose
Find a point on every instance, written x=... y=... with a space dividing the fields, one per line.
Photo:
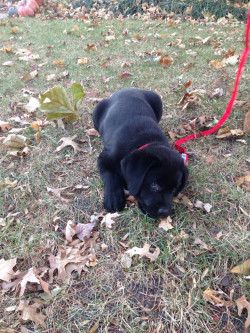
x=164 y=212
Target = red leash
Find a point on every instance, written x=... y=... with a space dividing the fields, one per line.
x=230 y=104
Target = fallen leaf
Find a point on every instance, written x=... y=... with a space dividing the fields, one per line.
x=225 y=132
x=166 y=61
x=29 y=76
x=144 y=252
x=191 y=53
x=84 y=230
x=183 y=200
x=216 y=64
x=242 y=303
x=14 y=30
x=209 y=159
x=4 y=126
x=233 y=60
x=8 y=63
x=217 y=92
x=125 y=74
x=70 y=231
x=215 y=298
x=201 y=243
x=244 y=182
x=92 y=132
x=68 y=141
x=56 y=104
x=29 y=312
x=15 y=141
x=32 y=105
x=6 y=269
x=108 y=219
x=32 y=277
x=165 y=224
x=69 y=259
x=243 y=268
x=126 y=260
x=58 y=62
x=247 y=123
x=58 y=193
x=82 y=61
x=199 y=204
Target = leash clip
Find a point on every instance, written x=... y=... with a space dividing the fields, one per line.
x=184 y=157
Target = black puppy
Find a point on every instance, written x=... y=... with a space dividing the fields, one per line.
x=136 y=153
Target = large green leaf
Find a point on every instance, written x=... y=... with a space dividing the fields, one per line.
x=77 y=93
x=56 y=104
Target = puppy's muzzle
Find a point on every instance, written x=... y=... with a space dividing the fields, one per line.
x=164 y=212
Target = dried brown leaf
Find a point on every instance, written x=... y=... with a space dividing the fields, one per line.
x=68 y=141
x=108 y=219
x=165 y=224
x=242 y=303
x=215 y=298
x=144 y=252
x=183 y=200
x=29 y=312
x=6 y=269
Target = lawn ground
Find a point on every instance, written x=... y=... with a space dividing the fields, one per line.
x=166 y=295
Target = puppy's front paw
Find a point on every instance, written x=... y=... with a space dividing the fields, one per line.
x=114 y=200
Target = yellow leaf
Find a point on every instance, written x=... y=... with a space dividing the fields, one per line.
x=216 y=64
x=82 y=61
x=243 y=268
x=58 y=62
x=14 y=30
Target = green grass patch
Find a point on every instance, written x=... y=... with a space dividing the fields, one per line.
x=166 y=295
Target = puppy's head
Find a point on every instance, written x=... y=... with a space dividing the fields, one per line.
x=154 y=175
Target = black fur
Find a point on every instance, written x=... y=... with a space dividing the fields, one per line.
x=126 y=121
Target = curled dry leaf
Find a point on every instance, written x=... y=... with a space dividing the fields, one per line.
x=68 y=141
x=165 y=224
x=108 y=219
x=125 y=74
x=199 y=204
x=242 y=303
x=81 y=230
x=92 y=132
x=144 y=252
x=84 y=230
x=15 y=141
x=32 y=277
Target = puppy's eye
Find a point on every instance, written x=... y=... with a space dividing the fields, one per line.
x=155 y=187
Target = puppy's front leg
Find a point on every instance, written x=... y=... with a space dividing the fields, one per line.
x=114 y=198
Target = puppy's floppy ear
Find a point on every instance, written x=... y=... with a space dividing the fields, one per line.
x=184 y=179
x=135 y=166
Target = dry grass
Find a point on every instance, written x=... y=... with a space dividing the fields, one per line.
x=165 y=296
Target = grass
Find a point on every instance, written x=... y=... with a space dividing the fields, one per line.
x=164 y=296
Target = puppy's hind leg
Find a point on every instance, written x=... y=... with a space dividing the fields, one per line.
x=114 y=198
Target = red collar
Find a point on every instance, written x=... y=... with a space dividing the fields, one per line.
x=144 y=146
